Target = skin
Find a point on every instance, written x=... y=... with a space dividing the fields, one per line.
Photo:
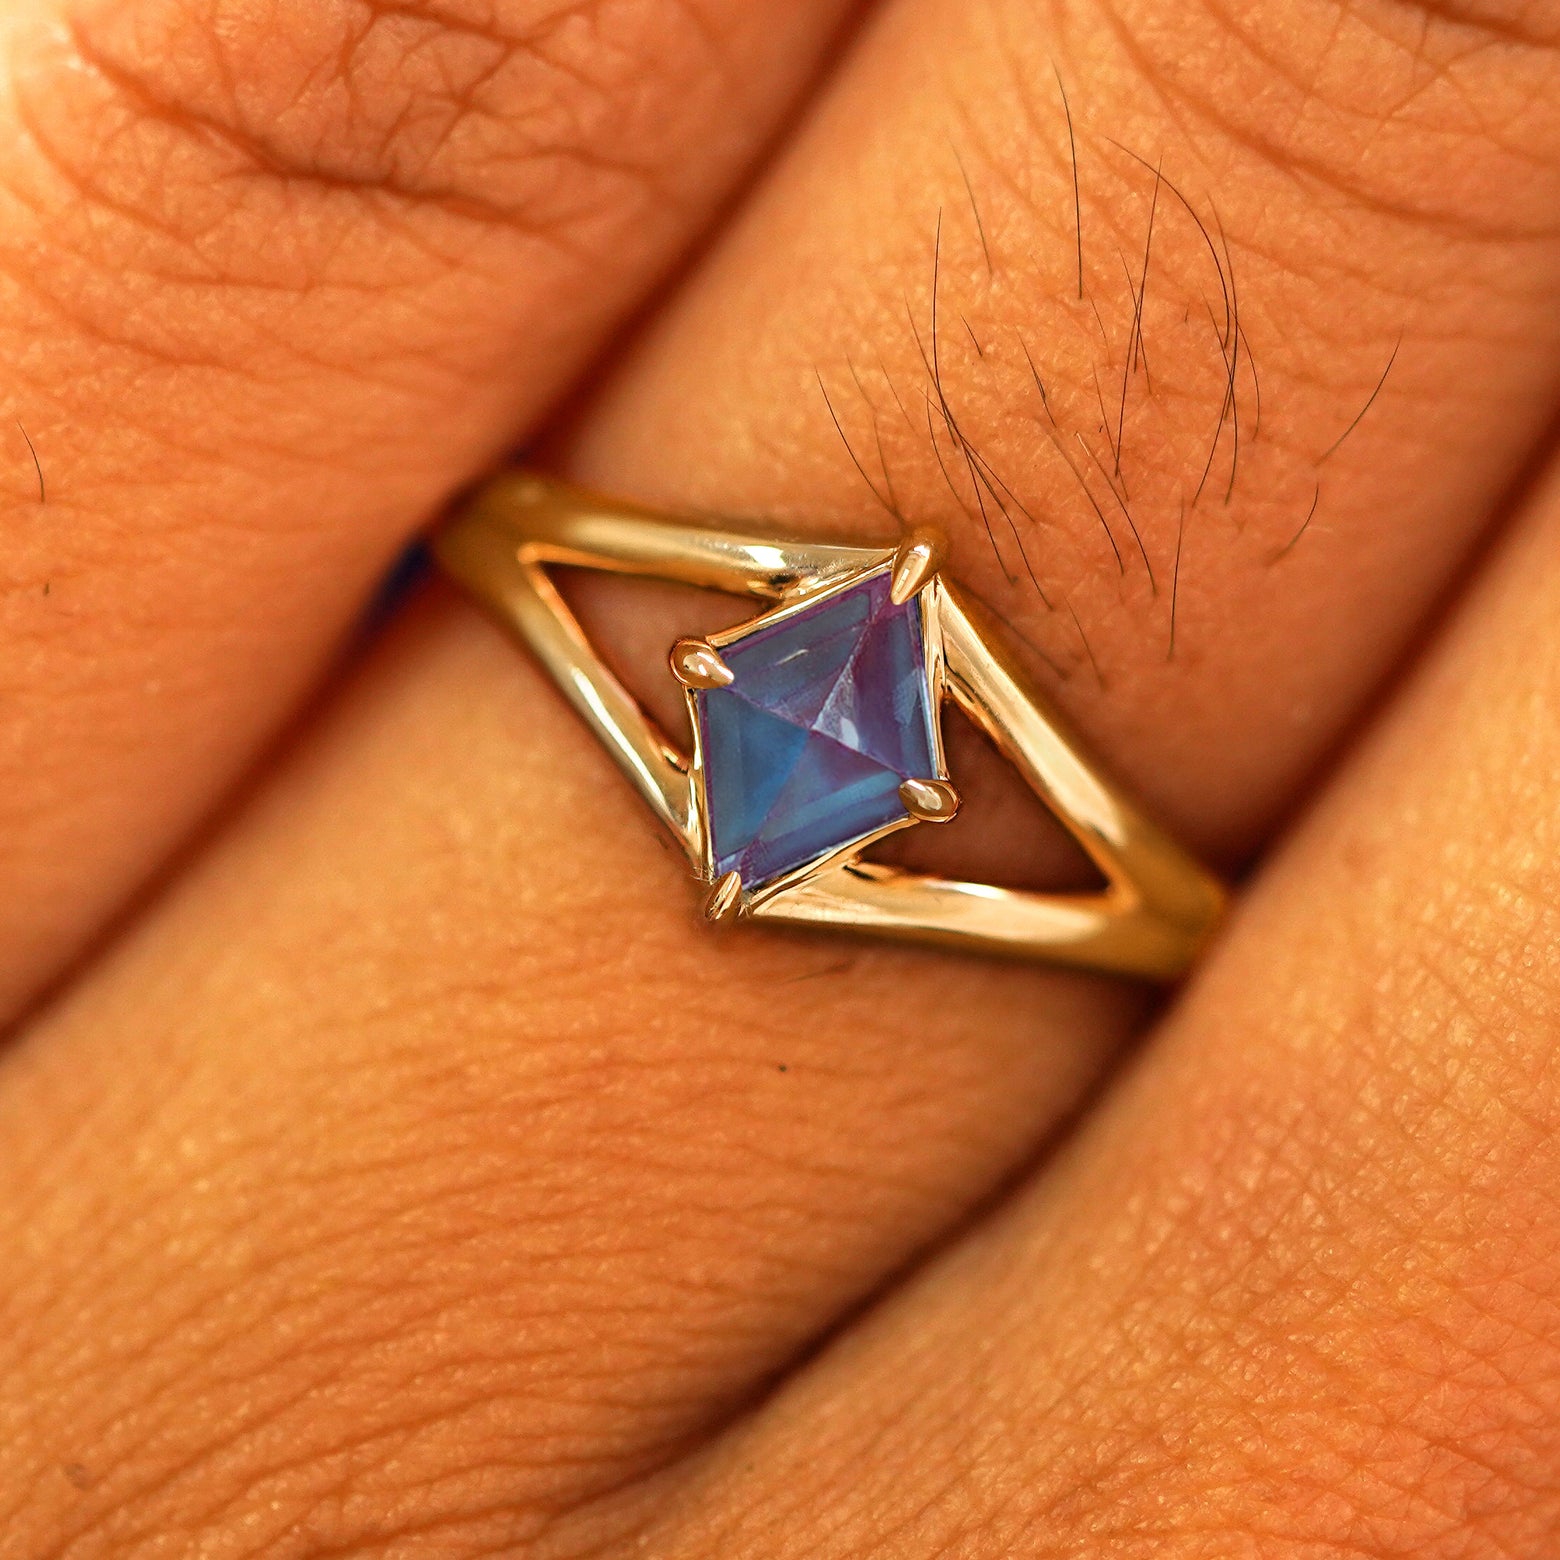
x=267 y=268
x=408 y=1174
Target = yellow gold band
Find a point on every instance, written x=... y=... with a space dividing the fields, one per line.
x=1159 y=906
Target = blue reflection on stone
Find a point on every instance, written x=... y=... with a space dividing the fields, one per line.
x=804 y=753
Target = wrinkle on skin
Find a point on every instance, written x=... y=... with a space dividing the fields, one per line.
x=520 y=114
x=1330 y=112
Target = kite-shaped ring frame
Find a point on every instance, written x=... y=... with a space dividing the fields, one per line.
x=1158 y=907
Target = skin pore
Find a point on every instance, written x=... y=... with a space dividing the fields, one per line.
x=412 y=1175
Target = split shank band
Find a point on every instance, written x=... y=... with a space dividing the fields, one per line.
x=817 y=732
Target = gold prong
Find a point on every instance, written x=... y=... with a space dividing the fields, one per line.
x=696 y=663
x=932 y=801
x=724 y=901
x=920 y=556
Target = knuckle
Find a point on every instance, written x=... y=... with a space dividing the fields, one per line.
x=1413 y=109
x=529 y=111
x=195 y=184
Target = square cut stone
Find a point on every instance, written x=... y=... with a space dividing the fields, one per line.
x=829 y=710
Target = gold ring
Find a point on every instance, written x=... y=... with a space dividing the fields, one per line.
x=817 y=732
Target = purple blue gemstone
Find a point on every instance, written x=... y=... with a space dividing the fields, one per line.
x=804 y=753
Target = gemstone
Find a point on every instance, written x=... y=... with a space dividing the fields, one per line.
x=830 y=709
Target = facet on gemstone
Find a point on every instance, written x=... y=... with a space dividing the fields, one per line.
x=829 y=711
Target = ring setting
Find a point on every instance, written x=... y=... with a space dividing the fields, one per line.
x=817 y=732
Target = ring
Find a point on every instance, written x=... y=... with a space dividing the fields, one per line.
x=817 y=732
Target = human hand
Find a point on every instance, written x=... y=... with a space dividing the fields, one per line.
x=406 y=1172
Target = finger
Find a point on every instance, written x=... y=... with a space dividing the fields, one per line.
x=275 y=277
x=554 y=1189
x=444 y=970
x=1216 y=513
x=1294 y=1292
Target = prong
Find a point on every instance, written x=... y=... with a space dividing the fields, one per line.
x=723 y=903
x=696 y=663
x=932 y=801
x=921 y=554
